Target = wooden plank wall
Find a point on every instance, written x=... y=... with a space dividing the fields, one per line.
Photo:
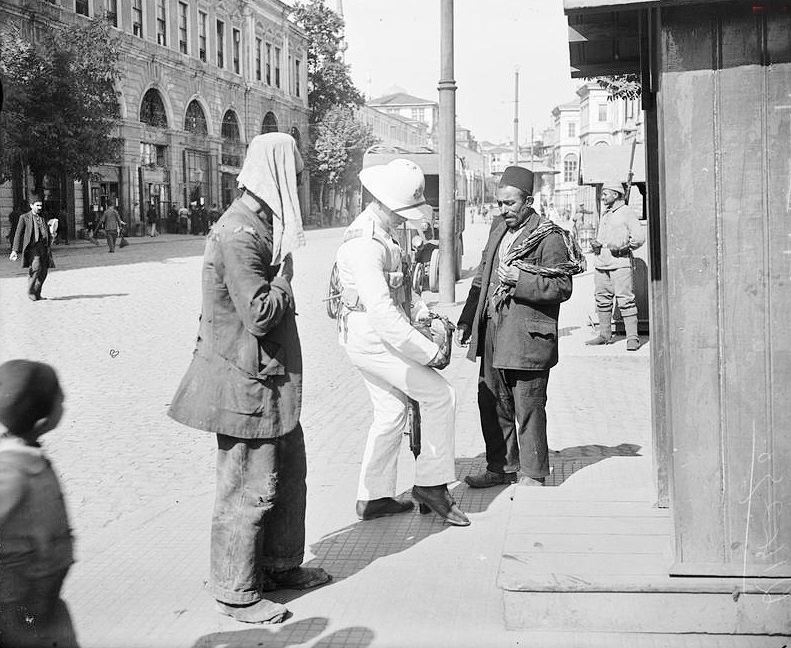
x=724 y=118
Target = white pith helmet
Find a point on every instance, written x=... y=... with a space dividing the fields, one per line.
x=399 y=186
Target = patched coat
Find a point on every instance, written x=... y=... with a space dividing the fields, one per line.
x=245 y=379
x=527 y=328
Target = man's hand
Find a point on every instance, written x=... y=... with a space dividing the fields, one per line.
x=462 y=335
x=287 y=268
x=508 y=275
x=13 y=256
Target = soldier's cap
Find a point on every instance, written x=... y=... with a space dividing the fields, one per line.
x=399 y=186
x=613 y=185
x=28 y=391
x=519 y=177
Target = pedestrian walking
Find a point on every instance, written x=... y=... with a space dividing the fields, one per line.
x=184 y=219
x=33 y=240
x=245 y=385
x=111 y=221
x=511 y=321
x=394 y=359
x=214 y=215
x=618 y=235
x=151 y=219
x=36 y=549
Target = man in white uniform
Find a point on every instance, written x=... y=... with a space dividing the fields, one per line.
x=394 y=358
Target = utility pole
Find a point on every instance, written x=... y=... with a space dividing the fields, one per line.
x=516 y=116
x=447 y=159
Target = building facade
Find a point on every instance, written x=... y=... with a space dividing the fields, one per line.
x=412 y=108
x=392 y=129
x=199 y=80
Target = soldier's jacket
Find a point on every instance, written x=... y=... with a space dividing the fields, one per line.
x=368 y=262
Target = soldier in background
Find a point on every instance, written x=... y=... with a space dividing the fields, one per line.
x=618 y=235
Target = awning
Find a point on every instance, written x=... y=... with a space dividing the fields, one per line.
x=601 y=163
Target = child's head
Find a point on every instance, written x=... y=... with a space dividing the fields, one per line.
x=31 y=400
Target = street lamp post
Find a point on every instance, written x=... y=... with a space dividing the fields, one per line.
x=447 y=158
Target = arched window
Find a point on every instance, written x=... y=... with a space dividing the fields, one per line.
x=152 y=110
x=601 y=143
x=269 y=125
x=232 y=149
x=195 y=119
x=570 y=168
x=297 y=137
x=230 y=126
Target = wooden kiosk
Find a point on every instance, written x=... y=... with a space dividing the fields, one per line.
x=716 y=83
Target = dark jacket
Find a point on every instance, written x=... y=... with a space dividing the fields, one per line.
x=24 y=236
x=527 y=326
x=245 y=379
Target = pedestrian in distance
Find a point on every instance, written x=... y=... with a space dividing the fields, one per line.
x=510 y=319
x=184 y=219
x=618 y=235
x=111 y=221
x=151 y=220
x=36 y=549
x=33 y=240
x=245 y=385
x=214 y=215
x=394 y=359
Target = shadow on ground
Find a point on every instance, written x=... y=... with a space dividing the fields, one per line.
x=97 y=296
x=351 y=549
x=290 y=634
x=564 y=463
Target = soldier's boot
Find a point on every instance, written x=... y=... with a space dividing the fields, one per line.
x=605 y=330
x=632 y=339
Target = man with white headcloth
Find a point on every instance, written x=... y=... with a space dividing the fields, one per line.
x=394 y=358
x=245 y=385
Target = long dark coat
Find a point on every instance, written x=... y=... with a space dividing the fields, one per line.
x=245 y=379
x=24 y=236
x=527 y=329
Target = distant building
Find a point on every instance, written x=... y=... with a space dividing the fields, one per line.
x=409 y=107
x=394 y=130
x=199 y=80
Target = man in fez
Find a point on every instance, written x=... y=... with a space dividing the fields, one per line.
x=510 y=319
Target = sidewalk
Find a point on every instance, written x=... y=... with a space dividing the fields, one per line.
x=407 y=581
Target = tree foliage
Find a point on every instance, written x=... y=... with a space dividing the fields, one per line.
x=621 y=86
x=62 y=107
x=341 y=140
x=329 y=82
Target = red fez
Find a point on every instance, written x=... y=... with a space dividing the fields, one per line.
x=519 y=177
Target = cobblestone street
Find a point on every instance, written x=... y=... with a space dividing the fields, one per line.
x=139 y=486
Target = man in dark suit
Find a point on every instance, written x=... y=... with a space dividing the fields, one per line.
x=34 y=241
x=511 y=321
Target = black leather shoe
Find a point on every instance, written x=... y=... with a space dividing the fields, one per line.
x=438 y=499
x=487 y=479
x=370 y=509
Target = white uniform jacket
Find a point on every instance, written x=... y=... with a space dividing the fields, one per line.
x=369 y=261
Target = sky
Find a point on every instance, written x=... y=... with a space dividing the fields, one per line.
x=396 y=43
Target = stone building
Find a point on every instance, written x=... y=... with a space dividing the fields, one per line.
x=199 y=80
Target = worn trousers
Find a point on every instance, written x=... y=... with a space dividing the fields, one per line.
x=259 y=513
x=617 y=284
x=512 y=407
x=391 y=379
x=38 y=270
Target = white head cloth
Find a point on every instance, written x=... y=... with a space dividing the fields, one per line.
x=270 y=172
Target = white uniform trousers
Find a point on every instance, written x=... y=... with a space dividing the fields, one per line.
x=390 y=378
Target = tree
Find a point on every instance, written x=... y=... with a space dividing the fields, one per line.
x=329 y=82
x=621 y=86
x=336 y=156
x=62 y=107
